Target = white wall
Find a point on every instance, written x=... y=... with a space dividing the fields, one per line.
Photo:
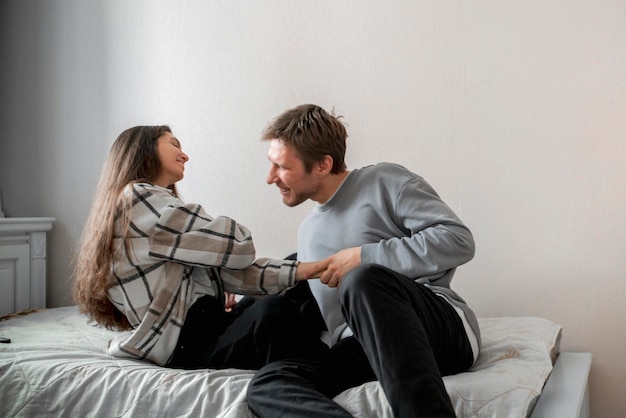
x=513 y=110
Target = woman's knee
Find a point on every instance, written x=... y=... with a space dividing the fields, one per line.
x=275 y=307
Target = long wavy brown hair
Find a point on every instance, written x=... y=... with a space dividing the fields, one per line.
x=133 y=158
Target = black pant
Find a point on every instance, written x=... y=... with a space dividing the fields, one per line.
x=405 y=336
x=254 y=333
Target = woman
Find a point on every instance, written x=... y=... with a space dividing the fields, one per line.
x=158 y=267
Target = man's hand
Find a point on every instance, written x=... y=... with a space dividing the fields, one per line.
x=339 y=264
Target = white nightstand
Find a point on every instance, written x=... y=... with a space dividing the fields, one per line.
x=23 y=263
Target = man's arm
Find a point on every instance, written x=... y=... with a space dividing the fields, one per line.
x=435 y=240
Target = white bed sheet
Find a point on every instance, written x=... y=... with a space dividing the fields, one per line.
x=56 y=365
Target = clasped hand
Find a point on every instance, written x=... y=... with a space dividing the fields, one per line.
x=332 y=269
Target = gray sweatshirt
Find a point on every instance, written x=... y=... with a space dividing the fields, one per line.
x=400 y=222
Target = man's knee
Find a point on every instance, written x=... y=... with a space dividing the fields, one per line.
x=268 y=381
x=261 y=377
x=257 y=392
x=361 y=280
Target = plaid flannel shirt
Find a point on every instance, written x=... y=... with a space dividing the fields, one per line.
x=178 y=253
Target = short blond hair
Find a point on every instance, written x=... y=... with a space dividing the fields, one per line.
x=313 y=133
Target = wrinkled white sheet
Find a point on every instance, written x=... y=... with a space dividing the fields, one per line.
x=56 y=365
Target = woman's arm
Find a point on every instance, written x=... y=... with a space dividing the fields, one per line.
x=267 y=276
x=188 y=235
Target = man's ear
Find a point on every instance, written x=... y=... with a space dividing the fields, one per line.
x=325 y=165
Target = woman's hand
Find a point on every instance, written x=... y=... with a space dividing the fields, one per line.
x=332 y=269
x=339 y=264
x=229 y=301
x=310 y=270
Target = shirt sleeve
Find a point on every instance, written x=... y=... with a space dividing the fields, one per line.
x=187 y=234
x=436 y=239
x=263 y=277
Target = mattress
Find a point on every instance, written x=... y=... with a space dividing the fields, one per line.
x=56 y=365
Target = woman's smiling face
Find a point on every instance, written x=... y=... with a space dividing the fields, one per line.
x=172 y=160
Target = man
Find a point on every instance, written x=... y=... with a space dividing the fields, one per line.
x=385 y=296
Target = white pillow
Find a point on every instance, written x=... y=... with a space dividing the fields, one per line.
x=516 y=358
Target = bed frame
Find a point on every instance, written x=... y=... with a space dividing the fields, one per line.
x=566 y=393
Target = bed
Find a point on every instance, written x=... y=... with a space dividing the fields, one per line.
x=56 y=365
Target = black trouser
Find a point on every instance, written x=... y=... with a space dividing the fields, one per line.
x=254 y=333
x=406 y=337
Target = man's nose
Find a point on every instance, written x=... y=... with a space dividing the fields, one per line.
x=271 y=176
